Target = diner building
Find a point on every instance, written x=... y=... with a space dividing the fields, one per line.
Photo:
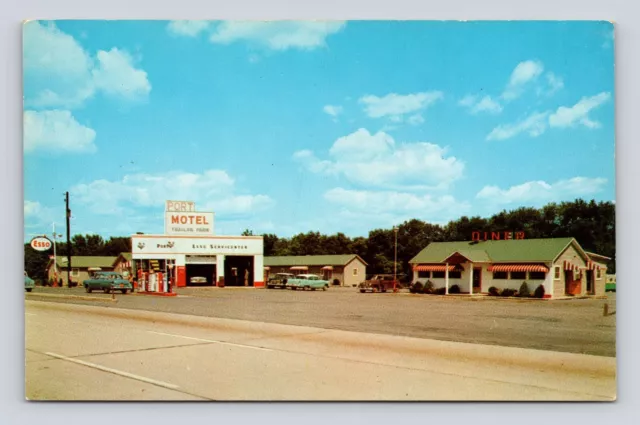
x=560 y=265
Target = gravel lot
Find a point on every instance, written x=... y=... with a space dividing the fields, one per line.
x=576 y=325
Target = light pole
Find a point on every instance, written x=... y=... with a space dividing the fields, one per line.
x=395 y=258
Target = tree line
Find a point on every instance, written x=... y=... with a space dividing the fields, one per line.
x=591 y=223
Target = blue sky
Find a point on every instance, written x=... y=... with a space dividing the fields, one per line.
x=286 y=127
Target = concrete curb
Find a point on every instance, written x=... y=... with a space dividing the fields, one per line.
x=489 y=354
x=72 y=297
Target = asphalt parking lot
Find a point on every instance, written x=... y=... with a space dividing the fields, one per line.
x=576 y=326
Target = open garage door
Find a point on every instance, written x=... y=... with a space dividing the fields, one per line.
x=238 y=271
x=201 y=274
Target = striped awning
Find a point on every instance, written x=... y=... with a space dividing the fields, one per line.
x=433 y=268
x=267 y=268
x=569 y=266
x=593 y=265
x=327 y=268
x=518 y=268
x=299 y=268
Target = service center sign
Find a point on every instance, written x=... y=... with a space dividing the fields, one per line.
x=188 y=223
x=41 y=243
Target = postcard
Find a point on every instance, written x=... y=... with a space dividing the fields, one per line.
x=319 y=210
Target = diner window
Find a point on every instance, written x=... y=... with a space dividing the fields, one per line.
x=556 y=272
x=500 y=275
x=75 y=272
x=537 y=275
x=518 y=275
x=438 y=275
x=424 y=274
x=455 y=275
x=598 y=274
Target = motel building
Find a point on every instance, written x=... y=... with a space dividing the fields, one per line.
x=560 y=265
x=190 y=254
x=339 y=270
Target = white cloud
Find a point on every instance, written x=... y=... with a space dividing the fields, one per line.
x=393 y=207
x=59 y=73
x=39 y=217
x=523 y=73
x=212 y=189
x=188 y=28
x=395 y=105
x=116 y=76
x=578 y=113
x=534 y=125
x=485 y=104
x=415 y=119
x=57 y=69
x=376 y=160
x=277 y=35
x=554 y=82
x=332 y=110
x=540 y=192
x=56 y=130
x=469 y=100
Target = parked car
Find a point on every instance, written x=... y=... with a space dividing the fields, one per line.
x=307 y=281
x=107 y=282
x=198 y=280
x=279 y=280
x=380 y=283
x=29 y=284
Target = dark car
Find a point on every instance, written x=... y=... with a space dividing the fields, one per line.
x=107 y=282
x=279 y=280
x=380 y=283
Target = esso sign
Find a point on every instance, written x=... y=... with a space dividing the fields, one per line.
x=41 y=243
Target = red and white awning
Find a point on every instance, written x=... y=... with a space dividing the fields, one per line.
x=327 y=268
x=267 y=268
x=299 y=268
x=518 y=268
x=569 y=266
x=433 y=268
x=592 y=265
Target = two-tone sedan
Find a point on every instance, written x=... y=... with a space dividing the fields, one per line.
x=107 y=282
x=279 y=280
x=307 y=281
x=29 y=284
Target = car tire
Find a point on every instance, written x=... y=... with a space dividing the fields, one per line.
x=324 y=288
x=87 y=289
x=107 y=291
x=28 y=289
x=124 y=291
x=362 y=291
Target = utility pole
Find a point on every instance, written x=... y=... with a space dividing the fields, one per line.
x=395 y=258
x=55 y=258
x=68 y=214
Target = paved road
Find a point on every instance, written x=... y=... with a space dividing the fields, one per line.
x=576 y=326
x=76 y=352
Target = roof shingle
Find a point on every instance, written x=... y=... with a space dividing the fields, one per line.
x=311 y=260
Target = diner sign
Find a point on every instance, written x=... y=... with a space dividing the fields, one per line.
x=496 y=236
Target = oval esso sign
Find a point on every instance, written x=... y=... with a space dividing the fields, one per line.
x=41 y=243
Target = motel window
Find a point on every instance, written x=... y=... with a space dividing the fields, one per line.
x=438 y=275
x=500 y=275
x=424 y=274
x=75 y=272
x=355 y=272
x=556 y=272
x=537 y=275
x=598 y=274
x=455 y=275
x=518 y=275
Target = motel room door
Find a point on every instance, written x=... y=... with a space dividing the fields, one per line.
x=477 y=280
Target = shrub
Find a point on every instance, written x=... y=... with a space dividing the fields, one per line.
x=493 y=291
x=428 y=287
x=524 y=290
x=539 y=292
x=455 y=289
x=416 y=288
x=336 y=282
x=508 y=292
x=440 y=291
